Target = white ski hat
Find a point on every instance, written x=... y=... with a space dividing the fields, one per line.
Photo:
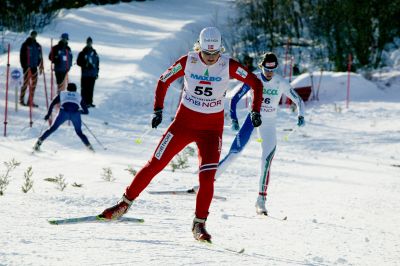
x=210 y=39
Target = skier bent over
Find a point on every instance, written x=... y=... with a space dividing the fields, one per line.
x=70 y=101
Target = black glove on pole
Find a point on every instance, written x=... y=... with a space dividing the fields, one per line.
x=157 y=118
x=255 y=118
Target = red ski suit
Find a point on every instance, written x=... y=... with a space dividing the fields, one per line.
x=205 y=129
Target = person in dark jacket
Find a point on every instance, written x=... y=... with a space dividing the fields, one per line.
x=88 y=60
x=61 y=56
x=31 y=59
x=70 y=102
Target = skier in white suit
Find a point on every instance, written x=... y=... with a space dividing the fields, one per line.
x=273 y=88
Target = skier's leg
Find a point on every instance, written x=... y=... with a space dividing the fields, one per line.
x=60 y=119
x=77 y=122
x=172 y=142
x=240 y=141
x=268 y=133
x=209 y=150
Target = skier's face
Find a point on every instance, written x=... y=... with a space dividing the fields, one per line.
x=268 y=73
x=210 y=58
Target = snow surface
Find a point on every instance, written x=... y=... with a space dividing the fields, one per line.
x=337 y=180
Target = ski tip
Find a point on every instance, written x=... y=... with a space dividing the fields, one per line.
x=241 y=251
x=52 y=222
x=284 y=218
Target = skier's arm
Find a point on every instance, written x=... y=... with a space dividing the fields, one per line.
x=174 y=72
x=292 y=94
x=241 y=73
x=53 y=102
x=236 y=98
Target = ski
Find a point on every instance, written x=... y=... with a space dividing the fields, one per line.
x=232 y=250
x=273 y=217
x=182 y=192
x=93 y=218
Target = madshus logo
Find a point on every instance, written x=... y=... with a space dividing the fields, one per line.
x=211 y=40
x=205 y=78
x=163 y=145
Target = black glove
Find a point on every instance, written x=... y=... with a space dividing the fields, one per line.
x=46 y=117
x=255 y=118
x=157 y=118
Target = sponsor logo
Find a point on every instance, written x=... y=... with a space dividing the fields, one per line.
x=204 y=104
x=210 y=40
x=267 y=109
x=163 y=145
x=205 y=78
x=193 y=60
x=241 y=72
x=270 y=64
x=173 y=71
x=270 y=91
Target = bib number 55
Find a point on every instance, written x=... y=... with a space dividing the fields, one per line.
x=206 y=91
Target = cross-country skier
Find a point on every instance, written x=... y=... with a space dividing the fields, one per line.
x=70 y=102
x=199 y=119
x=273 y=88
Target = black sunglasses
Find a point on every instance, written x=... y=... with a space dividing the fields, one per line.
x=207 y=52
x=268 y=69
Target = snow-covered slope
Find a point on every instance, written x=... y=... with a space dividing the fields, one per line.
x=336 y=180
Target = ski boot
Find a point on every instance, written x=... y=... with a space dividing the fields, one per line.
x=37 y=145
x=117 y=210
x=199 y=230
x=260 y=206
x=90 y=147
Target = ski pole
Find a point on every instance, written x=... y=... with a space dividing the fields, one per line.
x=93 y=135
x=45 y=87
x=259 y=138
x=6 y=105
x=139 y=140
x=292 y=130
x=42 y=128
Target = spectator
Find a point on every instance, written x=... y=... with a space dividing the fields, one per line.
x=61 y=56
x=88 y=60
x=31 y=58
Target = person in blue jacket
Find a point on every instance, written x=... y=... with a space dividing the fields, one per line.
x=70 y=103
x=61 y=56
